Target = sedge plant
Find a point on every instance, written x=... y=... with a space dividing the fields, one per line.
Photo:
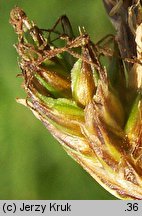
x=89 y=96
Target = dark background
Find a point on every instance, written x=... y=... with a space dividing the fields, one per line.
x=32 y=164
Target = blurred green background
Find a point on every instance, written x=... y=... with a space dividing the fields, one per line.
x=32 y=164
